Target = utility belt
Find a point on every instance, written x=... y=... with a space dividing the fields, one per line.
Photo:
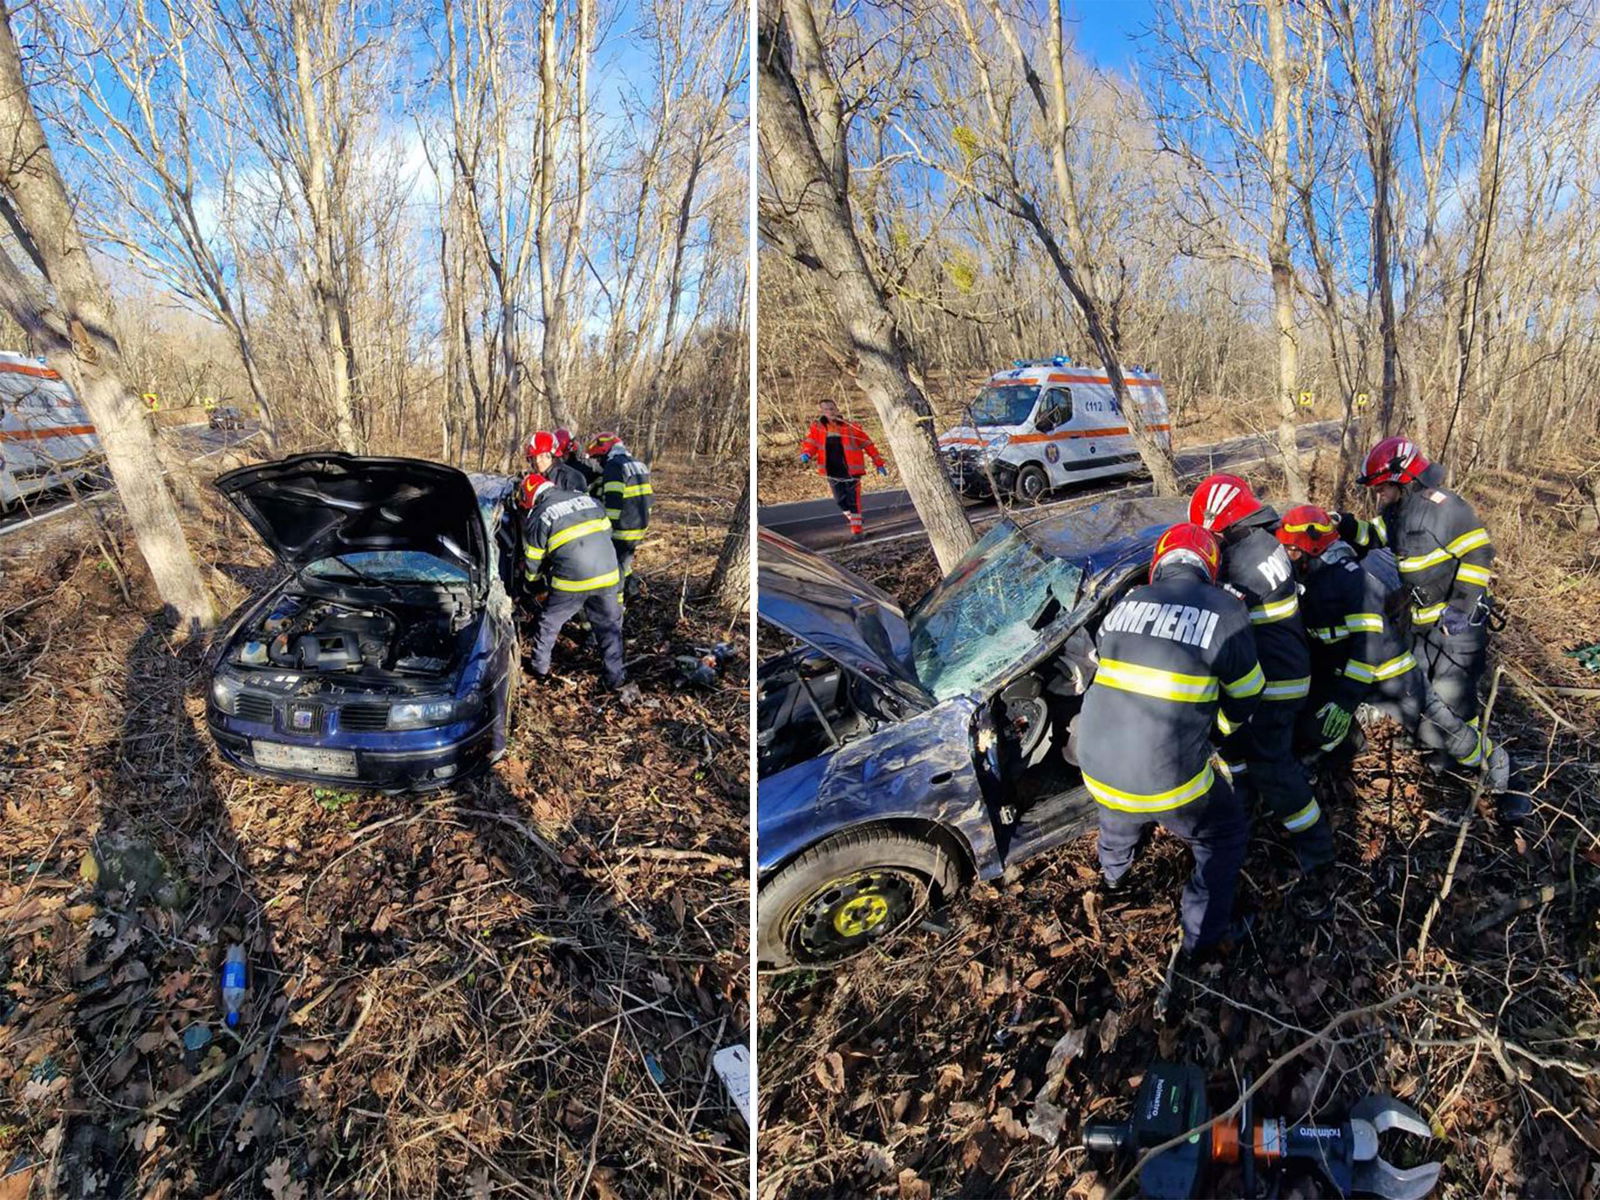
x=1484 y=613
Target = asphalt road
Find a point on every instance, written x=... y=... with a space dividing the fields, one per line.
x=818 y=524
x=197 y=441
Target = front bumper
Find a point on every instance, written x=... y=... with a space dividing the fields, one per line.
x=397 y=769
x=976 y=477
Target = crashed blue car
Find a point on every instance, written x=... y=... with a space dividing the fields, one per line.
x=387 y=656
x=901 y=754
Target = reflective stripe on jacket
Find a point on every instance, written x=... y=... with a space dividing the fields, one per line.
x=626 y=490
x=1256 y=566
x=1354 y=645
x=1176 y=656
x=853 y=440
x=567 y=538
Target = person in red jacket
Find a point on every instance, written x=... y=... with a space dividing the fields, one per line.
x=841 y=449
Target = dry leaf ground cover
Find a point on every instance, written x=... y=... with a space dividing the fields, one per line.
x=917 y=1074
x=513 y=988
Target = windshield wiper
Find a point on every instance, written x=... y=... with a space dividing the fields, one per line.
x=369 y=580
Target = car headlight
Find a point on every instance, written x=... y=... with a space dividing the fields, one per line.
x=225 y=693
x=419 y=714
x=999 y=442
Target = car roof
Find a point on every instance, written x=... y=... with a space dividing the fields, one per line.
x=1106 y=534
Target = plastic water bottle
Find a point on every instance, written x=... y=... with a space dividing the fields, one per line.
x=233 y=984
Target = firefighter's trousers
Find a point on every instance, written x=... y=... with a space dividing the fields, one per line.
x=625 y=552
x=1262 y=761
x=1216 y=829
x=1454 y=664
x=1432 y=723
x=605 y=619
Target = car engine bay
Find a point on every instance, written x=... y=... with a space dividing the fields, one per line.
x=321 y=636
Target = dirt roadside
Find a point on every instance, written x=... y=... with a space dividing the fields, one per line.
x=917 y=1074
x=514 y=987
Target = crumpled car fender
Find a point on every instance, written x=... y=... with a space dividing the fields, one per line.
x=919 y=770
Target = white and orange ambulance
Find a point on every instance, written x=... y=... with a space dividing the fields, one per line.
x=1049 y=422
x=46 y=438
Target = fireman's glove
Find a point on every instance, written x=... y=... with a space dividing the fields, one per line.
x=1453 y=621
x=882 y=470
x=1335 y=724
x=805 y=460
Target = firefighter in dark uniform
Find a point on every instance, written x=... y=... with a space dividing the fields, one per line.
x=1445 y=559
x=545 y=459
x=567 y=544
x=1360 y=653
x=1260 y=757
x=569 y=454
x=625 y=489
x=1175 y=656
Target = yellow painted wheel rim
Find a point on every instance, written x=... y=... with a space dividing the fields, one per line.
x=860 y=914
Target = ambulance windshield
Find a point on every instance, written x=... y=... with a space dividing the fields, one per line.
x=1007 y=404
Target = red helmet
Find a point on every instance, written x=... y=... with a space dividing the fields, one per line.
x=1194 y=540
x=1309 y=528
x=532 y=485
x=602 y=444
x=1220 y=500
x=541 y=443
x=1393 y=460
x=563 y=442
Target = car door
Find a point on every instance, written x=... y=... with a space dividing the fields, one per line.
x=920 y=770
x=1055 y=413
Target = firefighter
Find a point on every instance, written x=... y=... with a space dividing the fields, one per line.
x=1445 y=559
x=1360 y=652
x=1260 y=757
x=567 y=543
x=568 y=453
x=841 y=449
x=544 y=456
x=625 y=488
x=1176 y=657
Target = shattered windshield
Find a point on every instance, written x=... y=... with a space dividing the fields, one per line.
x=989 y=612
x=1008 y=404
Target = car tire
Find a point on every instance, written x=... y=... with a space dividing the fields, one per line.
x=846 y=893
x=1032 y=483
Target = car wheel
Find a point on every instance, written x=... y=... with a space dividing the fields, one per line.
x=1032 y=484
x=846 y=893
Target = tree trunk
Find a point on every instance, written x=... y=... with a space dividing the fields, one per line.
x=730 y=581
x=75 y=334
x=812 y=207
x=330 y=295
x=1278 y=251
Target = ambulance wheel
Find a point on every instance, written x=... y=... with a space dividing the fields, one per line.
x=847 y=893
x=1032 y=484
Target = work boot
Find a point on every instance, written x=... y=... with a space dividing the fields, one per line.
x=1311 y=896
x=1438 y=763
x=1114 y=889
x=1513 y=808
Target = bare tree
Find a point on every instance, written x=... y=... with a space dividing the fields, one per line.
x=75 y=330
x=805 y=210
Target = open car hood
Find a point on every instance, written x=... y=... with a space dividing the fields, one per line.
x=315 y=506
x=837 y=613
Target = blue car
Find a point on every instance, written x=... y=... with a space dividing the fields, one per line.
x=902 y=754
x=387 y=656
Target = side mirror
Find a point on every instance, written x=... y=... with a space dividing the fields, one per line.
x=1045 y=423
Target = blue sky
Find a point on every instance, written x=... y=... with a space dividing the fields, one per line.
x=1103 y=30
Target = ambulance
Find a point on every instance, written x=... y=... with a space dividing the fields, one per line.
x=46 y=438
x=1049 y=422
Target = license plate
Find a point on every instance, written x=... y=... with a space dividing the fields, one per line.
x=340 y=764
